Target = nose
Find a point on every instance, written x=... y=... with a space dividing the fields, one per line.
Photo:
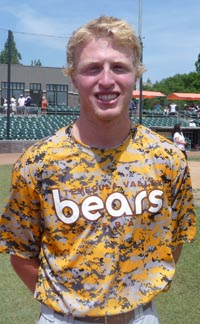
x=106 y=79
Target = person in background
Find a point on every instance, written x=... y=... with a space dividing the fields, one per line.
x=27 y=103
x=172 y=109
x=166 y=110
x=44 y=105
x=99 y=211
x=179 y=139
x=158 y=107
x=21 y=104
x=192 y=123
x=13 y=105
x=5 y=105
x=132 y=108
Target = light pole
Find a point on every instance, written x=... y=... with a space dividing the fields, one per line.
x=141 y=59
x=8 y=83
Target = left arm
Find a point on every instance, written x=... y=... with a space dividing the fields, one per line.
x=177 y=252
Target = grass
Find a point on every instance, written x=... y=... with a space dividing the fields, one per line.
x=194 y=158
x=180 y=305
x=17 y=305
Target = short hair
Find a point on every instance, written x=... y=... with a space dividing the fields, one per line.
x=105 y=27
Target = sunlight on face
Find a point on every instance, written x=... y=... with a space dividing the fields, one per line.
x=105 y=77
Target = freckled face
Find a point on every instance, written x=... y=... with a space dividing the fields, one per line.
x=105 y=77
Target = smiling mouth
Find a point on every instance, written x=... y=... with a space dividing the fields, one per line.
x=107 y=97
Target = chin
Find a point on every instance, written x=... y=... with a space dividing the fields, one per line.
x=109 y=114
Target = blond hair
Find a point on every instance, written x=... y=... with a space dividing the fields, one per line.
x=105 y=27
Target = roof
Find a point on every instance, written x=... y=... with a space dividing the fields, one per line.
x=148 y=94
x=184 y=96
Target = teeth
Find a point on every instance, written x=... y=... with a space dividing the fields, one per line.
x=107 y=97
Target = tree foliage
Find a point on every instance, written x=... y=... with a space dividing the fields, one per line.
x=36 y=63
x=178 y=83
x=188 y=83
x=15 y=55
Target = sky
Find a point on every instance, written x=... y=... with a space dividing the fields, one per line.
x=170 y=30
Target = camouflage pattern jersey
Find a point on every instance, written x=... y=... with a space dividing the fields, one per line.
x=103 y=222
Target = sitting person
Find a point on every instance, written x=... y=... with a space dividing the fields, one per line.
x=192 y=123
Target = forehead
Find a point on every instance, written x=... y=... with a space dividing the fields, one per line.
x=97 y=48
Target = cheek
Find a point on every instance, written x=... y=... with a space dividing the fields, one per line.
x=128 y=79
x=127 y=87
x=83 y=84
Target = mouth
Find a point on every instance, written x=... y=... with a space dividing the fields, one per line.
x=107 y=97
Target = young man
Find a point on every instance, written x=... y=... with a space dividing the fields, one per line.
x=21 y=105
x=99 y=211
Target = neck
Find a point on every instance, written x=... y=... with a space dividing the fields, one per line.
x=105 y=134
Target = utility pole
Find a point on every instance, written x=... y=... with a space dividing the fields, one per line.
x=8 y=83
x=141 y=59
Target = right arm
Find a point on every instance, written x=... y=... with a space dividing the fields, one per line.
x=27 y=270
x=179 y=141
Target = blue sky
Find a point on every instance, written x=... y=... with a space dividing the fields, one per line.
x=170 y=30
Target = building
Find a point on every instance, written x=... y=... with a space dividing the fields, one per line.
x=37 y=81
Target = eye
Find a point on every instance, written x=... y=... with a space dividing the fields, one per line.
x=120 y=68
x=91 y=70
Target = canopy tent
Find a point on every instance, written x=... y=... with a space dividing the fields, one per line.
x=184 y=96
x=148 y=94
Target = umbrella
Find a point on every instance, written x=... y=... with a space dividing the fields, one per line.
x=184 y=96
x=148 y=94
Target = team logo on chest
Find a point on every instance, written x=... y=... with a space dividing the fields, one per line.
x=116 y=205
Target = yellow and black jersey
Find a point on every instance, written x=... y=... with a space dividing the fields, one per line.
x=103 y=222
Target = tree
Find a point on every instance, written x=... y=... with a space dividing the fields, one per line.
x=15 y=55
x=197 y=64
x=36 y=63
x=178 y=83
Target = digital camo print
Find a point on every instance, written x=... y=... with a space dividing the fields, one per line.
x=103 y=222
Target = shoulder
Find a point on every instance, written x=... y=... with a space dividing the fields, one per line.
x=152 y=137
x=44 y=151
x=156 y=143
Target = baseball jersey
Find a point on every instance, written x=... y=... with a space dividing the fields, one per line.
x=103 y=222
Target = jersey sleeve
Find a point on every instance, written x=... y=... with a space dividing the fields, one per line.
x=21 y=222
x=183 y=211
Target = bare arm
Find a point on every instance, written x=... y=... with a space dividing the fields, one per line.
x=177 y=252
x=27 y=270
x=178 y=141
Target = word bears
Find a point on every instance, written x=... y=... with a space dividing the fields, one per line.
x=116 y=204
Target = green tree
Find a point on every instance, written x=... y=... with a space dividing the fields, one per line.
x=15 y=55
x=178 y=83
x=36 y=63
x=197 y=64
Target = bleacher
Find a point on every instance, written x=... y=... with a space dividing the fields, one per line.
x=33 y=128
x=63 y=110
x=36 y=126
x=161 y=121
x=33 y=125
